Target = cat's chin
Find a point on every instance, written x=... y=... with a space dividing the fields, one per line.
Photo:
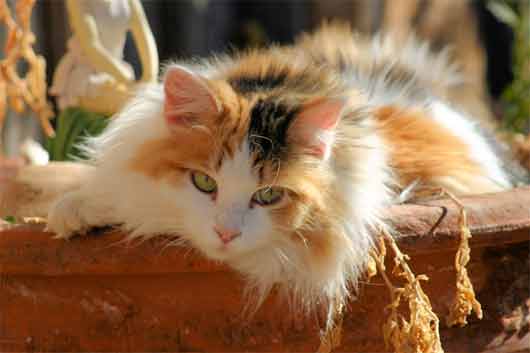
x=224 y=252
x=219 y=253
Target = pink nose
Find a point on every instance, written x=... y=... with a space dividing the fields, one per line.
x=226 y=235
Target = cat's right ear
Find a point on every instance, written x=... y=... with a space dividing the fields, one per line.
x=188 y=99
x=314 y=127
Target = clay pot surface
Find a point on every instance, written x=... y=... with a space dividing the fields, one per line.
x=97 y=293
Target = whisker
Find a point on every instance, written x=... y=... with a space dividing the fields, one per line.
x=261 y=137
x=284 y=258
x=175 y=243
x=277 y=171
x=366 y=283
x=304 y=239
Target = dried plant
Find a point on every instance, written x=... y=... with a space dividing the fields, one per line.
x=15 y=91
x=420 y=333
x=465 y=300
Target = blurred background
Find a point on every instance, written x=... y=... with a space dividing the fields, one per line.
x=481 y=39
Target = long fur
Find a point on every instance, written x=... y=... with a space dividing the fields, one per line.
x=395 y=128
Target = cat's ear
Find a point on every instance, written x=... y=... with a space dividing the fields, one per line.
x=314 y=127
x=188 y=99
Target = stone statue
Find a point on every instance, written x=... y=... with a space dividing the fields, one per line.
x=92 y=74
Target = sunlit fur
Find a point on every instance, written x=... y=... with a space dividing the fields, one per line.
x=314 y=243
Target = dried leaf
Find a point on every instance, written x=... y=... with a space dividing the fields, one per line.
x=25 y=91
x=420 y=333
x=465 y=300
x=371 y=267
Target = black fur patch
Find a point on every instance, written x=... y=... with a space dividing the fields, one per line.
x=267 y=134
x=255 y=84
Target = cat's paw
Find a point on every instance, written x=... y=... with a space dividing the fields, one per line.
x=74 y=214
x=64 y=218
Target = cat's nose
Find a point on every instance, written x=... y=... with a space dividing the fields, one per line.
x=225 y=234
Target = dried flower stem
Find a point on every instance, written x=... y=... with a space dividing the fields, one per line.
x=420 y=334
x=16 y=91
x=465 y=300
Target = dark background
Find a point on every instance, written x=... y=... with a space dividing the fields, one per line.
x=185 y=28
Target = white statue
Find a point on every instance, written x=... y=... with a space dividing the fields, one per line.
x=92 y=74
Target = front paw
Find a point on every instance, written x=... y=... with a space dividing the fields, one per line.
x=67 y=217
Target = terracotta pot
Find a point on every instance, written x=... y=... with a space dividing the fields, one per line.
x=96 y=293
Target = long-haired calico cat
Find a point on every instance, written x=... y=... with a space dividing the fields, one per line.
x=280 y=161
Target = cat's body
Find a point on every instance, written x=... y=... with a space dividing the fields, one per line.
x=335 y=125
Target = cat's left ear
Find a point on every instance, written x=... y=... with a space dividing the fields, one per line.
x=188 y=98
x=314 y=127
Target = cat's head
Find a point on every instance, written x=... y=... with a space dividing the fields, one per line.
x=250 y=158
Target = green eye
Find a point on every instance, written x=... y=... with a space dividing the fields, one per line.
x=268 y=196
x=203 y=182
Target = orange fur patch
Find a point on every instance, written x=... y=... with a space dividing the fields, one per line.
x=201 y=147
x=308 y=219
x=232 y=124
x=422 y=149
x=164 y=158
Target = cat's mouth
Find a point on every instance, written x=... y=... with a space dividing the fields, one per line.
x=220 y=252
x=223 y=247
x=225 y=251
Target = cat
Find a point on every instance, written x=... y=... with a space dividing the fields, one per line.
x=281 y=161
